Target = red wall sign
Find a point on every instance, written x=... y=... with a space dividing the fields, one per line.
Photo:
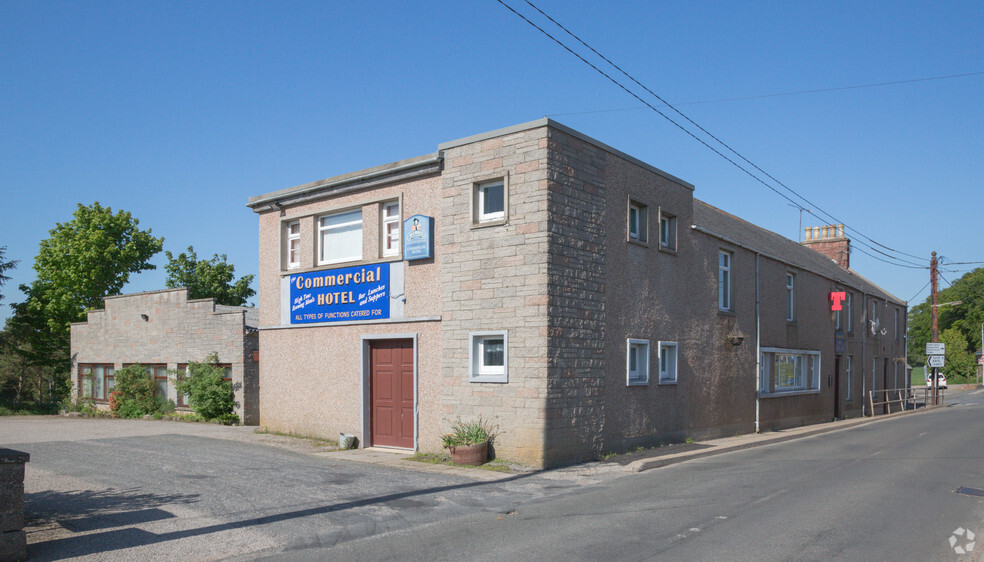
x=837 y=297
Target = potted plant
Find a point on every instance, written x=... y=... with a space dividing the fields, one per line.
x=469 y=442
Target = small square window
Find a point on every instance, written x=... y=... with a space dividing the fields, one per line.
x=391 y=229
x=489 y=357
x=638 y=222
x=667 y=231
x=637 y=362
x=667 y=362
x=490 y=201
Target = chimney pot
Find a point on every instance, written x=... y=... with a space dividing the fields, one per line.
x=840 y=230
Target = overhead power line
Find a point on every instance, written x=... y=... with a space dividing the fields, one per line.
x=784 y=94
x=919 y=291
x=705 y=131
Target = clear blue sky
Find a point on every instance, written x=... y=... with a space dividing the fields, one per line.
x=179 y=111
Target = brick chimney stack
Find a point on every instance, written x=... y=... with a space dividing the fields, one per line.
x=830 y=241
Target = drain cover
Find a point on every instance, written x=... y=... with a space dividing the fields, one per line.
x=970 y=491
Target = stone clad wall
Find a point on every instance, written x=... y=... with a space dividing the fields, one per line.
x=575 y=401
x=176 y=331
x=495 y=278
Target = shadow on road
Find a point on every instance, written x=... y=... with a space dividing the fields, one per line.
x=81 y=511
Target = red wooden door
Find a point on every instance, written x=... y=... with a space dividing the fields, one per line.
x=391 y=393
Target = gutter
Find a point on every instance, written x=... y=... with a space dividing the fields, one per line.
x=397 y=171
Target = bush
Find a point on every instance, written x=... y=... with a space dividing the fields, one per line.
x=208 y=395
x=135 y=394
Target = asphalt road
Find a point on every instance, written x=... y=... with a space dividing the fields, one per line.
x=880 y=491
x=125 y=490
x=133 y=489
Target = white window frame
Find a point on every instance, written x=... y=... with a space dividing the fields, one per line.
x=324 y=231
x=873 y=322
x=790 y=297
x=480 y=193
x=292 y=248
x=640 y=350
x=640 y=233
x=667 y=231
x=803 y=360
x=669 y=372
x=479 y=372
x=837 y=318
x=896 y=324
x=724 y=280
x=390 y=244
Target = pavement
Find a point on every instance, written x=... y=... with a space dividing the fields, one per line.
x=639 y=461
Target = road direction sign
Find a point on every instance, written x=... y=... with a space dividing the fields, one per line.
x=935 y=348
x=935 y=361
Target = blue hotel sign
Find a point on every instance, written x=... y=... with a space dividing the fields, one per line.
x=418 y=238
x=339 y=295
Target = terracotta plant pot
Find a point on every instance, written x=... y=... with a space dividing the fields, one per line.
x=470 y=455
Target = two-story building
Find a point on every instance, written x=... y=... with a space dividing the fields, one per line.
x=580 y=297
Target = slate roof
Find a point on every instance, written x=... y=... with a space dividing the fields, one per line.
x=716 y=222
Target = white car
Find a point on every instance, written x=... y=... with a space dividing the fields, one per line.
x=941 y=381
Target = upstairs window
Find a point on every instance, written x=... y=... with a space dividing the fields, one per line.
x=391 y=229
x=848 y=312
x=340 y=237
x=490 y=201
x=667 y=231
x=724 y=280
x=790 y=297
x=293 y=231
x=638 y=222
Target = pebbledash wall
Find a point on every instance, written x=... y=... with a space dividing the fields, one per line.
x=580 y=298
x=167 y=330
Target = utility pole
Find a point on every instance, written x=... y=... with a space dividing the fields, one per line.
x=936 y=326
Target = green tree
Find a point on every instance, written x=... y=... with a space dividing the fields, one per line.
x=959 y=362
x=966 y=317
x=5 y=266
x=209 y=395
x=208 y=278
x=84 y=260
